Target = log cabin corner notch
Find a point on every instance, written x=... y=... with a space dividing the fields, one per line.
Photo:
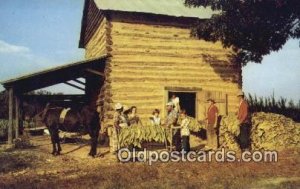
x=153 y=55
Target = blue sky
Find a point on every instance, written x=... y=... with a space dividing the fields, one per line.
x=38 y=34
x=278 y=72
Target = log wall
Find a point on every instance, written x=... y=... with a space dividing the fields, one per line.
x=147 y=58
x=97 y=44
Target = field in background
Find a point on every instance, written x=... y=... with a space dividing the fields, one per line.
x=282 y=106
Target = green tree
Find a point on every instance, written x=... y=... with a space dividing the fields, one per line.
x=253 y=28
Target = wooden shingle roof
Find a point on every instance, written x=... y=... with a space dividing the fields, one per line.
x=163 y=12
x=162 y=7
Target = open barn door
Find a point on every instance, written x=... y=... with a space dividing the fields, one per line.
x=202 y=105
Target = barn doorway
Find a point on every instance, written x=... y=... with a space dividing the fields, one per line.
x=187 y=101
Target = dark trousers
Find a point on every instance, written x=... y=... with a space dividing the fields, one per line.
x=244 y=138
x=185 y=143
x=177 y=140
x=94 y=134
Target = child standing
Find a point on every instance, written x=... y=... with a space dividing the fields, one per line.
x=185 y=131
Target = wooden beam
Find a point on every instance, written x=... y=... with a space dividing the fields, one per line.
x=183 y=89
x=95 y=72
x=78 y=81
x=75 y=86
x=47 y=98
x=10 y=115
x=17 y=112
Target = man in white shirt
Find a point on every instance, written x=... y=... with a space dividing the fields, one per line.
x=176 y=102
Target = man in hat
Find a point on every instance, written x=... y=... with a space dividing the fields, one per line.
x=172 y=116
x=116 y=129
x=244 y=120
x=211 y=130
x=171 y=121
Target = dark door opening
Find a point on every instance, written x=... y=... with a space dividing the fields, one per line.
x=187 y=101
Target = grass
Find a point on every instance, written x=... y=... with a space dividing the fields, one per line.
x=36 y=169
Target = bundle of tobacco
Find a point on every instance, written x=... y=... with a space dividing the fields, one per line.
x=229 y=131
x=274 y=132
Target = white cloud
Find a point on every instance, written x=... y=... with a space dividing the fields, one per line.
x=7 y=48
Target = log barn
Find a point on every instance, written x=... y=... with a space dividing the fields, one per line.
x=139 y=53
x=152 y=55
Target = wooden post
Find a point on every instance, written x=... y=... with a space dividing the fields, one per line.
x=171 y=142
x=10 y=115
x=21 y=126
x=17 y=120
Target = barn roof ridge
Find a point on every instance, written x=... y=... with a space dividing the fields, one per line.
x=165 y=12
x=175 y=8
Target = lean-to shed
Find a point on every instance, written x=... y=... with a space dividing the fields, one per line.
x=152 y=55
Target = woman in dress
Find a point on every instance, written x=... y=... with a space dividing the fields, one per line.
x=133 y=117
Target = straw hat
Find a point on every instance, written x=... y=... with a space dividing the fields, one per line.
x=170 y=104
x=211 y=100
x=241 y=93
x=118 y=106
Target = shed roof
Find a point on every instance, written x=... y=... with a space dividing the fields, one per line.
x=163 y=7
x=52 y=76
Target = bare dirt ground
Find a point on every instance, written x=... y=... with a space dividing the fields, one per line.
x=36 y=168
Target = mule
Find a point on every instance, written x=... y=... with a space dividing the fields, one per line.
x=73 y=121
